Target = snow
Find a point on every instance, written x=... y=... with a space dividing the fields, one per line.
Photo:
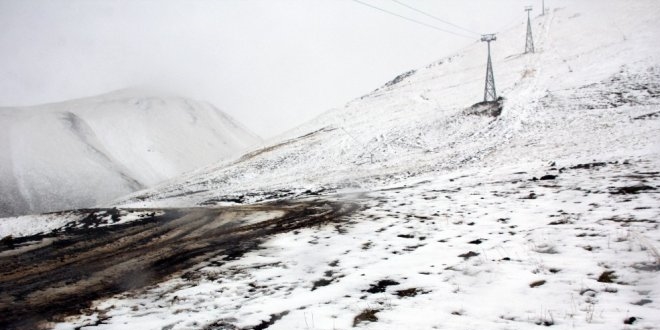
x=27 y=225
x=574 y=229
x=468 y=222
x=84 y=152
x=46 y=223
x=418 y=125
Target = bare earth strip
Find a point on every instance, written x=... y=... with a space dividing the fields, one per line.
x=69 y=269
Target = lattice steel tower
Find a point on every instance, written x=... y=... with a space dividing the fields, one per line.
x=529 y=43
x=489 y=89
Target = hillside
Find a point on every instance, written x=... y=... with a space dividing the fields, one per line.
x=83 y=152
x=573 y=99
x=433 y=217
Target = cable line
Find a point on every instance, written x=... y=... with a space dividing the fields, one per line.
x=412 y=20
x=435 y=17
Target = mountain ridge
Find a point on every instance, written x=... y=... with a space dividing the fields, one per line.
x=121 y=141
x=546 y=215
x=420 y=117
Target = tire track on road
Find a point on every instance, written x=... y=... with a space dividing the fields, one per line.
x=75 y=267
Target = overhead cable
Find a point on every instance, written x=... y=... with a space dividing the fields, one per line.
x=413 y=20
x=435 y=17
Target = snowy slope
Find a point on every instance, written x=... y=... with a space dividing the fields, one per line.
x=545 y=216
x=575 y=97
x=472 y=249
x=83 y=152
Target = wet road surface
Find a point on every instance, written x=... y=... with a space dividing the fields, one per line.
x=46 y=277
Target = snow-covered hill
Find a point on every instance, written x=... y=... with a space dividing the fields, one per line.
x=83 y=152
x=575 y=98
x=544 y=216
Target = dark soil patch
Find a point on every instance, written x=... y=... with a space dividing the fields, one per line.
x=536 y=283
x=321 y=283
x=412 y=247
x=7 y=242
x=607 y=277
x=367 y=315
x=642 y=302
x=410 y=292
x=587 y=166
x=545 y=323
x=240 y=199
x=560 y=222
x=399 y=78
x=468 y=255
x=273 y=318
x=648 y=116
x=631 y=189
x=487 y=108
x=381 y=286
x=588 y=291
x=531 y=195
x=220 y=325
x=628 y=220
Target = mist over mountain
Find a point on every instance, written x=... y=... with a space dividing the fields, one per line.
x=419 y=205
x=83 y=152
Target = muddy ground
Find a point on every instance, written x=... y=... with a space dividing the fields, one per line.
x=44 y=278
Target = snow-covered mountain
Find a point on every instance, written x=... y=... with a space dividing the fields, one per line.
x=546 y=215
x=575 y=98
x=83 y=152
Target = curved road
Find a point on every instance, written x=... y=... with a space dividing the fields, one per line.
x=46 y=277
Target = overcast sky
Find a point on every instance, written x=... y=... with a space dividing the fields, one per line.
x=270 y=64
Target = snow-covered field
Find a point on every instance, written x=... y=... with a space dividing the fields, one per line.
x=38 y=224
x=84 y=152
x=545 y=216
x=474 y=249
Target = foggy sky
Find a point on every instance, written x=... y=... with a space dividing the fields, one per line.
x=270 y=64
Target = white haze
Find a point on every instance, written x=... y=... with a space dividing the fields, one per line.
x=270 y=64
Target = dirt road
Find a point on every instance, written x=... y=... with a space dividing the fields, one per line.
x=43 y=278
